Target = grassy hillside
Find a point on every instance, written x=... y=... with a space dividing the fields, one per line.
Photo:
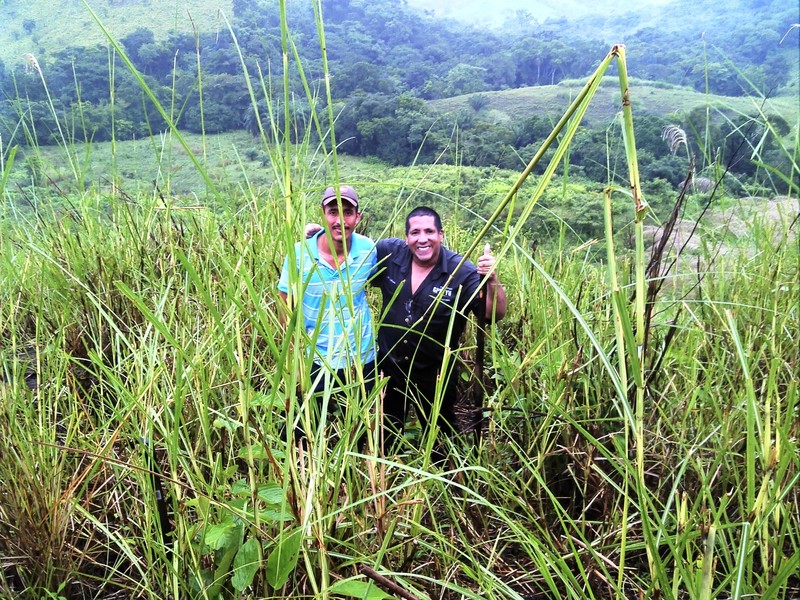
x=647 y=98
x=43 y=27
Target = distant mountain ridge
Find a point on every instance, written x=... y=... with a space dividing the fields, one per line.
x=662 y=29
x=495 y=13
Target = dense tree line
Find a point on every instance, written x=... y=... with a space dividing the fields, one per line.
x=385 y=61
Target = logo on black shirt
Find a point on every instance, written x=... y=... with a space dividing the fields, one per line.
x=447 y=295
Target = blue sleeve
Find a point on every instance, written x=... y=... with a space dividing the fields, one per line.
x=283 y=282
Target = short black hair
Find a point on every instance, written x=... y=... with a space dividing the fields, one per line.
x=424 y=211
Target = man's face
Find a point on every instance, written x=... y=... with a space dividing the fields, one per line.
x=424 y=240
x=341 y=226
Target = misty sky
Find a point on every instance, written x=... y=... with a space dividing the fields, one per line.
x=494 y=12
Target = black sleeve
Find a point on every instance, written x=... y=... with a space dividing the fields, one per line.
x=383 y=249
x=469 y=288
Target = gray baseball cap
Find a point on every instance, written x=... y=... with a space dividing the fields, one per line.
x=347 y=193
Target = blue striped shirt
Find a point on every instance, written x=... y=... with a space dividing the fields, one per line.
x=342 y=332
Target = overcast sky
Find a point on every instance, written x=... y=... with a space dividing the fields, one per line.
x=493 y=12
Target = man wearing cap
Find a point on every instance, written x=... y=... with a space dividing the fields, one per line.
x=329 y=277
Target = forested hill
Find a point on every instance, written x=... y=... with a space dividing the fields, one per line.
x=681 y=42
x=387 y=60
x=740 y=45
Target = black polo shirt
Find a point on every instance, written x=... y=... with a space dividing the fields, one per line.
x=412 y=332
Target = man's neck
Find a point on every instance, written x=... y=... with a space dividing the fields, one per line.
x=419 y=271
x=331 y=250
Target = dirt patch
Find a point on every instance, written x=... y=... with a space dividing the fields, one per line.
x=729 y=231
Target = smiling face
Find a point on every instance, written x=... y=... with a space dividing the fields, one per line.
x=424 y=240
x=341 y=226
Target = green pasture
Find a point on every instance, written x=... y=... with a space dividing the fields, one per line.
x=650 y=98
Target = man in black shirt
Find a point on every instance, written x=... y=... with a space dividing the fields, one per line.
x=426 y=302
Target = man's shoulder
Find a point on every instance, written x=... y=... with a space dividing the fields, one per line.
x=453 y=259
x=362 y=242
x=308 y=246
x=390 y=246
x=450 y=254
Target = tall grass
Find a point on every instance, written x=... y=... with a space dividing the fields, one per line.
x=148 y=384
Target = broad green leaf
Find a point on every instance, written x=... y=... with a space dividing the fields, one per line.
x=265 y=401
x=241 y=488
x=230 y=425
x=283 y=558
x=271 y=493
x=260 y=453
x=202 y=503
x=221 y=535
x=355 y=588
x=245 y=565
x=275 y=515
x=257 y=450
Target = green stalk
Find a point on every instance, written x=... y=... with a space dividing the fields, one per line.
x=5 y=166
x=287 y=143
x=707 y=570
x=619 y=332
x=752 y=424
x=329 y=99
x=636 y=350
x=199 y=87
x=112 y=98
x=62 y=137
x=571 y=120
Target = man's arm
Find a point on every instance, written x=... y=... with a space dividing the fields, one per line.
x=495 y=293
x=311 y=229
x=285 y=304
x=283 y=308
x=495 y=299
